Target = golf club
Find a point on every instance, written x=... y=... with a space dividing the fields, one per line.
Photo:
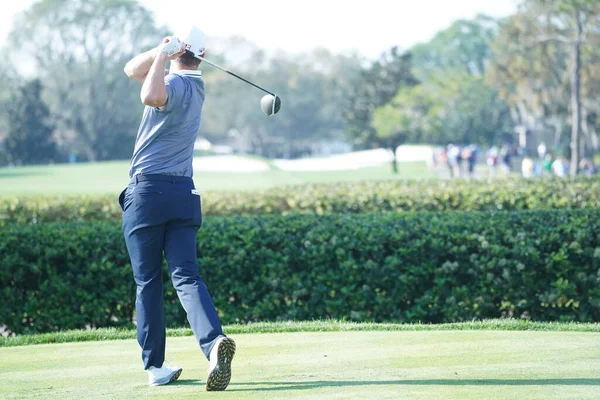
x=269 y=104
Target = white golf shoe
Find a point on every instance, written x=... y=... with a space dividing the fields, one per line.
x=162 y=376
x=219 y=373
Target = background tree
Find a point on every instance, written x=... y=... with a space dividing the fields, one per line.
x=464 y=47
x=457 y=108
x=79 y=48
x=471 y=82
x=29 y=136
x=313 y=87
x=378 y=84
x=8 y=91
x=452 y=102
x=542 y=56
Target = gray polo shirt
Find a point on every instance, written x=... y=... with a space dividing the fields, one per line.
x=165 y=139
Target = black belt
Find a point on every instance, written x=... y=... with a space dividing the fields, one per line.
x=162 y=178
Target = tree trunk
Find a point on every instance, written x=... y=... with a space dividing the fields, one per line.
x=576 y=95
x=585 y=141
x=394 y=161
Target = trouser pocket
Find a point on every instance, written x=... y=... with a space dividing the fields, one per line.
x=122 y=199
x=197 y=209
x=125 y=199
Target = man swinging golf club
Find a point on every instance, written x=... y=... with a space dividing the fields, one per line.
x=161 y=207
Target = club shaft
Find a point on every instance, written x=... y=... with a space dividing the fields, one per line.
x=235 y=75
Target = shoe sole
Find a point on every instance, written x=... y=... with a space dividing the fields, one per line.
x=219 y=377
x=173 y=378
x=176 y=376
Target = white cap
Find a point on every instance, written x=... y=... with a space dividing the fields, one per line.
x=194 y=39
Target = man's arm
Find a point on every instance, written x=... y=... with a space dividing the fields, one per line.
x=139 y=66
x=154 y=91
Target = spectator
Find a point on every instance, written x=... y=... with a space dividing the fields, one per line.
x=560 y=167
x=542 y=150
x=435 y=157
x=506 y=155
x=527 y=167
x=470 y=154
x=492 y=160
x=459 y=160
x=587 y=167
x=537 y=168
x=547 y=165
x=454 y=160
x=442 y=157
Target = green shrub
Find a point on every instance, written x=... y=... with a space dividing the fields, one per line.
x=428 y=267
x=386 y=196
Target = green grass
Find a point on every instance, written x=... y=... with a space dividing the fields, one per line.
x=412 y=364
x=112 y=177
x=304 y=326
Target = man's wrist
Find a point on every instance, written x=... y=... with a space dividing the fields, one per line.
x=161 y=57
x=157 y=54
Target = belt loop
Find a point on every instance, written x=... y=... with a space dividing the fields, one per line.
x=136 y=179
x=172 y=178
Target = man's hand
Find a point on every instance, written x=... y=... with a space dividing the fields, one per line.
x=139 y=66
x=172 y=47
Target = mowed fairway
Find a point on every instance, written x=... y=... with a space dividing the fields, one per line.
x=112 y=177
x=324 y=365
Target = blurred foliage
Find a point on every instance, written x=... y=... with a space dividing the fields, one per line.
x=79 y=49
x=471 y=83
x=29 y=134
x=463 y=47
x=379 y=83
x=452 y=102
x=313 y=88
x=535 y=69
x=353 y=198
x=423 y=267
x=452 y=108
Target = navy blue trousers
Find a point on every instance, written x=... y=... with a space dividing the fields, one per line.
x=164 y=216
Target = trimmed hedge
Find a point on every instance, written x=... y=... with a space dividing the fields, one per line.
x=427 y=267
x=383 y=196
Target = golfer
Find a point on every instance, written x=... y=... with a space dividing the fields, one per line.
x=161 y=207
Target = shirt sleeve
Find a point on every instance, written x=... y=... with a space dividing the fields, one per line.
x=175 y=86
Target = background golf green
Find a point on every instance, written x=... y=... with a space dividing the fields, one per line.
x=459 y=365
x=112 y=177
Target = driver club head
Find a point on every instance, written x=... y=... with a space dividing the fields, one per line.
x=270 y=105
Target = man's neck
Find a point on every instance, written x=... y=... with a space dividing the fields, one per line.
x=176 y=67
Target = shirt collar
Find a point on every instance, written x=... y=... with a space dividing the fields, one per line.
x=193 y=74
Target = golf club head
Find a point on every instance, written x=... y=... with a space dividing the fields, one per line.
x=270 y=105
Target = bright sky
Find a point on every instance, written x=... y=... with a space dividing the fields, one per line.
x=370 y=27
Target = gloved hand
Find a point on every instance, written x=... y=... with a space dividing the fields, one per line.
x=171 y=46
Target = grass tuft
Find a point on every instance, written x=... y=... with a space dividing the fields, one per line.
x=105 y=334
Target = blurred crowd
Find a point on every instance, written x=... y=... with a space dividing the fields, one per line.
x=461 y=161
x=547 y=165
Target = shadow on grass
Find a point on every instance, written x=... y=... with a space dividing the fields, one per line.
x=275 y=386
x=187 y=382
